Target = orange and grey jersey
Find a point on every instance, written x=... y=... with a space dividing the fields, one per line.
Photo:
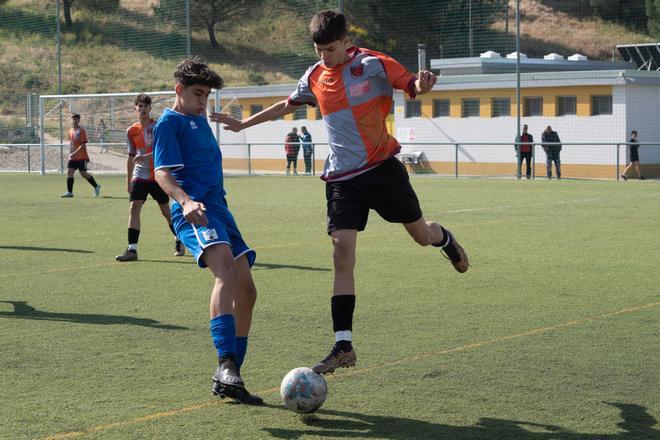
x=355 y=99
x=140 y=142
x=78 y=138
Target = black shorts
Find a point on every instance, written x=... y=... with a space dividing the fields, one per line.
x=80 y=165
x=634 y=154
x=385 y=189
x=141 y=188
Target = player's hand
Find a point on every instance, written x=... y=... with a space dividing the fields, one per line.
x=128 y=187
x=140 y=159
x=425 y=81
x=195 y=212
x=230 y=123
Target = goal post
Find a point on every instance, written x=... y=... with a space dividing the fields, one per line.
x=105 y=116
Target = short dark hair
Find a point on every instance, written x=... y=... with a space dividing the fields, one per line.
x=327 y=27
x=75 y=116
x=633 y=132
x=193 y=71
x=144 y=98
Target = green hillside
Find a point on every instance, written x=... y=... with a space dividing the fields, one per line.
x=136 y=45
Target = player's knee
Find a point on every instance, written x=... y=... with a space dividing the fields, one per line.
x=343 y=260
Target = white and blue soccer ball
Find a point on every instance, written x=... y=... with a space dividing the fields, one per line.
x=303 y=390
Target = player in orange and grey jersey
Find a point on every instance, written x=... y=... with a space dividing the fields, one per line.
x=354 y=87
x=140 y=178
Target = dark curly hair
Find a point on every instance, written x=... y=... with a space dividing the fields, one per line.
x=144 y=98
x=327 y=27
x=193 y=71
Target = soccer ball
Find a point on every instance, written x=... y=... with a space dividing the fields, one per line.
x=303 y=390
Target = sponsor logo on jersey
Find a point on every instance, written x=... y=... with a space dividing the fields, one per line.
x=359 y=89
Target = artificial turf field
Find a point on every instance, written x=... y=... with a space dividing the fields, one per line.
x=552 y=334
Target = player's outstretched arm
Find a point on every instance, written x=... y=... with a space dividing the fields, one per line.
x=425 y=81
x=194 y=212
x=273 y=112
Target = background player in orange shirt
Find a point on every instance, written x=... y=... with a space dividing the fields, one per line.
x=140 y=177
x=78 y=157
x=353 y=87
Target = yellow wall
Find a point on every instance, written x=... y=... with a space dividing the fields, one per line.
x=485 y=96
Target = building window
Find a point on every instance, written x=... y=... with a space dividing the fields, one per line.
x=566 y=105
x=533 y=107
x=317 y=112
x=469 y=108
x=255 y=108
x=440 y=108
x=601 y=105
x=501 y=107
x=413 y=109
x=300 y=112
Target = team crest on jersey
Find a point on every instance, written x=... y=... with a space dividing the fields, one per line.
x=359 y=89
x=193 y=125
x=210 y=234
x=357 y=71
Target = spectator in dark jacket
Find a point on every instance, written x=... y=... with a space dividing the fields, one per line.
x=291 y=148
x=523 y=147
x=306 y=140
x=634 y=157
x=552 y=147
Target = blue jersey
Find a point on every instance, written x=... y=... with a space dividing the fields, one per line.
x=185 y=144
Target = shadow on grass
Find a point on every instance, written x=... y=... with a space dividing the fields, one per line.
x=22 y=310
x=636 y=424
x=45 y=249
x=289 y=266
x=187 y=261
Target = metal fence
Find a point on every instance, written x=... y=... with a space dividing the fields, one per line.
x=604 y=161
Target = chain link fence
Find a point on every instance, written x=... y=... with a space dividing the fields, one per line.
x=114 y=46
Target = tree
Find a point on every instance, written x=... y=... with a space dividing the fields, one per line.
x=210 y=13
x=67 y=12
x=96 y=5
x=394 y=27
x=653 y=14
x=628 y=12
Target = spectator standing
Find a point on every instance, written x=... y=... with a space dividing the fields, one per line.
x=292 y=148
x=524 y=145
x=634 y=157
x=552 y=147
x=308 y=149
x=101 y=132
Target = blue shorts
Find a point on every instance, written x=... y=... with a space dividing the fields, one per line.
x=221 y=228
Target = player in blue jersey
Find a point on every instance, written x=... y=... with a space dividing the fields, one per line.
x=188 y=166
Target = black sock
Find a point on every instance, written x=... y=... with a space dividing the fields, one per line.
x=133 y=235
x=342 y=317
x=69 y=184
x=448 y=245
x=92 y=181
x=445 y=239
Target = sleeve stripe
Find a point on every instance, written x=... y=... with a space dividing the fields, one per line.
x=177 y=166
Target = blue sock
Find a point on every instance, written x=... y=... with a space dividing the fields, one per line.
x=223 y=332
x=241 y=349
